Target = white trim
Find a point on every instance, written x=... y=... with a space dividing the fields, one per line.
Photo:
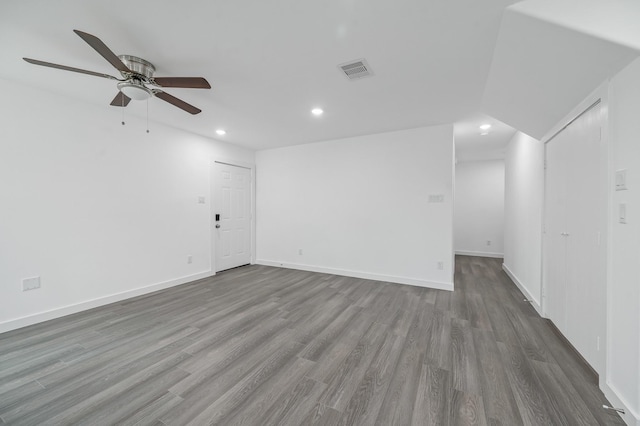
x=608 y=389
x=630 y=417
x=94 y=303
x=221 y=160
x=480 y=254
x=453 y=208
x=534 y=300
x=358 y=274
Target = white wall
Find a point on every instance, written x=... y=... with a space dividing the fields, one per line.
x=479 y=208
x=359 y=206
x=98 y=210
x=524 y=189
x=623 y=296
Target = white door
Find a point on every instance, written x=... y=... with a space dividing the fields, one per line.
x=575 y=219
x=232 y=216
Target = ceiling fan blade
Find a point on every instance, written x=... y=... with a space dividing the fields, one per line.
x=177 y=102
x=186 y=82
x=103 y=50
x=121 y=100
x=66 y=68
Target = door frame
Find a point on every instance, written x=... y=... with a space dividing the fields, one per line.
x=212 y=211
x=598 y=98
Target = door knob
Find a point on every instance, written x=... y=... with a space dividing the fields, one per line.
x=217 y=225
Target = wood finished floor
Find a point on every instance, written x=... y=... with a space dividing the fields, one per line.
x=267 y=346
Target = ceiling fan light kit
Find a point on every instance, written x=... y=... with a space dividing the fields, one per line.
x=135 y=90
x=137 y=75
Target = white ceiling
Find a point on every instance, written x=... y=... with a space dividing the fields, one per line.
x=611 y=20
x=541 y=70
x=270 y=62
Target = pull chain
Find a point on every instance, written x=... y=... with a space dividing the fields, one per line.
x=122 y=103
x=147 y=115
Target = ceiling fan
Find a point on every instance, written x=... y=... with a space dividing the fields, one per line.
x=137 y=76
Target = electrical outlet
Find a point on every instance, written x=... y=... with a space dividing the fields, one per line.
x=200 y=200
x=300 y=252
x=488 y=242
x=189 y=259
x=441 y=265
x=30 y=283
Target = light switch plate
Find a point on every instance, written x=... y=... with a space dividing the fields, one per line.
x=30 y=283
x=621 y=180
x=623 y=213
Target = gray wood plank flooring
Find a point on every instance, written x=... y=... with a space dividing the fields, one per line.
x=267 y=346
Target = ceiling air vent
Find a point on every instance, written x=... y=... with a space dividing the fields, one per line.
x=356 y=69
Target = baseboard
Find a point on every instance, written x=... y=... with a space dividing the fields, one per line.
x=534 y=300
x=588 y=370
x=358 y=274
x=480 y=254
x=94 y=303
x=630 y=417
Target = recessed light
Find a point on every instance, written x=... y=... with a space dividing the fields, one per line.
x=317 y=111
x=221 y=132
x=485 y=127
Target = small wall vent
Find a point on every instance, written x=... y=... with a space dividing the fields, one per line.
x=354 y=70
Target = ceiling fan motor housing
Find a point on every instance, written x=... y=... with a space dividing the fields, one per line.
x=142 y=72
x=138 y=66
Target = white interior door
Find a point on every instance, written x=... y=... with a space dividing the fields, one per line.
x=232 y=216
x=575 y=220
x=586 y=220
